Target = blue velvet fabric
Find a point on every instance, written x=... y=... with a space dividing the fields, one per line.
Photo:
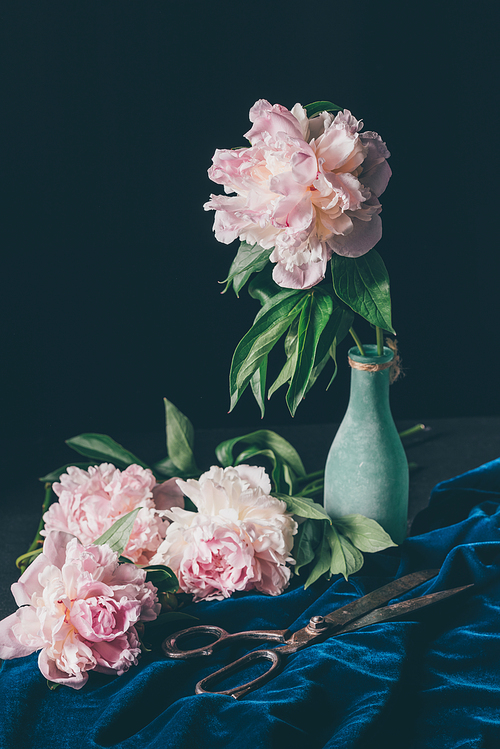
x=431 y=681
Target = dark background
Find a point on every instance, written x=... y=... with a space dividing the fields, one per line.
x=110 y=294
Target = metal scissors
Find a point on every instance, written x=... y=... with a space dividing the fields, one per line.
x=364 y=611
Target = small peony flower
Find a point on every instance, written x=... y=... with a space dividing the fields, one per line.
x=305 y=187
x=239 y=539
x=78 y=607
x=91 y=501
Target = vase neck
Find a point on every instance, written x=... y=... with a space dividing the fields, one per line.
x=370 y=386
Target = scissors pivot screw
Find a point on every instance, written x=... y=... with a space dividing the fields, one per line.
x=316 y=624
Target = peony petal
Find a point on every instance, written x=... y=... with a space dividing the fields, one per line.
x=256 y=476
x=28 y=583
x=10 y=647
x=335 y=147
x=377 y=177
x=271 y=119
x=301 y=277
x=364 y=236
x=54 y=547
x=304 y=165
x=52 y=673
x=168 y=495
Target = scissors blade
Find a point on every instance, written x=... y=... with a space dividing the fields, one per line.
x=398 y=610
x=378 y=598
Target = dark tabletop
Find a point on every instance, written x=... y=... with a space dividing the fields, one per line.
x=451 y=447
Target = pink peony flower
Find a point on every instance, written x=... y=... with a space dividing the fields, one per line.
x=239 y=539
x=78 y=607
x=91 y=501
x=305 y=187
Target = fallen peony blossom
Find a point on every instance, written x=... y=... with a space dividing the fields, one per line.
x=78 y=607
x=240 y=538
x=91 y=501
x=305 y=188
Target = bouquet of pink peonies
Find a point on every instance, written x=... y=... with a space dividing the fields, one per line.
x=118 y=548
x=306 y=196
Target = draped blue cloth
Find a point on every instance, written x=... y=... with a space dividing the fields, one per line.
x=430 y=681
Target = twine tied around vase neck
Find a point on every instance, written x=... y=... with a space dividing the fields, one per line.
x=394 y=365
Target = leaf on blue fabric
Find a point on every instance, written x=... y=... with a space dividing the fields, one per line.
x=322 y=559
x=118 y=535
x=103 y=448
x=180 y=440
x=346 y=559
x=249 y=259
x=305 y=544
x=363 y=284
x=364 y=533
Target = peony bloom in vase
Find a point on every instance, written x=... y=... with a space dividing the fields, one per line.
x=303 y=196
x=305 y=188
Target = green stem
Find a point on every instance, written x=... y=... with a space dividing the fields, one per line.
x=34 y=548
x=412 y=430
x=357 y=341
x=25 y=559
x=310 y=476
x=313 y=488
x=380 y=341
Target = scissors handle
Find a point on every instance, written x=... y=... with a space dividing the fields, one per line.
x=276 y=658
x=171 y=647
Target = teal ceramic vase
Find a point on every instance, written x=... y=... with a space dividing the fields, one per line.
x=366 y=469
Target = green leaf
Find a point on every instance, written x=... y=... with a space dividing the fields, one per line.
x=180 y=440
x=291 y=351
x=263 y=439
x=363 y=284
x=269 y=325
x=321 y=106
x=322 y=559
x=262 y=287
x=313 y=319
x=103 y=448
x=345 y=558
x=333 y=355
x=162 y=578
x=364 y=533
x=55 y=475
x=306 y=543
x=118 y=535
x=258 y=385
x=166 y=468
x=252 y=452
x=249 y=259
x=304 y=507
